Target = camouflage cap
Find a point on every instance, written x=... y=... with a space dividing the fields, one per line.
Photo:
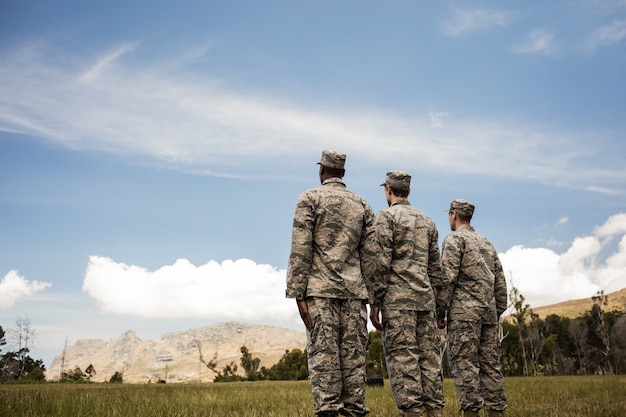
x=333 y=159
x=399 y=180
x=462 y=207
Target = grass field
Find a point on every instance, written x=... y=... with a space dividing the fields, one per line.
x=542 y=396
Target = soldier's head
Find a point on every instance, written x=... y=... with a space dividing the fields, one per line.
x=332 y=164
x=397 y=185
x=460 y=212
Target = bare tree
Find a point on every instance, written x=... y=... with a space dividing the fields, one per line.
x=602 y=329
x=23 y=336
x=521 y=311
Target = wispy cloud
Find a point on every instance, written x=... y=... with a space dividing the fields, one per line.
x=103 y=63
x=467 y=21
x=199 y=124
x=437 y=119
x=14 y=287
x=606 y=36
x=538 y=41
x=562 y=220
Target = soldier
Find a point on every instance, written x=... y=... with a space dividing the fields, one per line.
x=408 y=277
x=476 y=292
x=330 y=249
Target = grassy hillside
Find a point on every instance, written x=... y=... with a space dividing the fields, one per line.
x=574 y=308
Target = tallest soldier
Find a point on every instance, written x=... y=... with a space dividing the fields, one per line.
x=328 y=266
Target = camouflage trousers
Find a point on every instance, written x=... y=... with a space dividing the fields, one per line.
x=474 y=353
x=336 y=350
x=412 y=353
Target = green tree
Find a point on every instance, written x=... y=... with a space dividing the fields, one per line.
x=619 y=337
x=250 y=365
x=375 y=357
x=598 y=324
x=520 y=314
x=74 y=375
x=117 y=378
x=564 y=345
x=511 y=355
x=292 y=366
x=228 y=374
x=90 y=371
x=18 y=365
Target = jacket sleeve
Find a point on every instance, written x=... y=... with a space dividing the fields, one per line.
x=451 y=256
x=383 y=240
x=367 y=252
x=435 y=273
x=301 y=255
x=500 y=291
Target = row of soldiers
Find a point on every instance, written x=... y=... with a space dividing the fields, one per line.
x=344 y=257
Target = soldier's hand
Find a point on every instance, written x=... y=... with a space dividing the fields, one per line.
x=374 y=313
x=303 y=308
x=441 y=324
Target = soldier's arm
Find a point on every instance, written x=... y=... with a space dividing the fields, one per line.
x=451 y=256
x=500 y=290
x=301 y=255
x=435 y=273
x=383 y=240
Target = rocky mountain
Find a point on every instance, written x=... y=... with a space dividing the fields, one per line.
x=175 y=357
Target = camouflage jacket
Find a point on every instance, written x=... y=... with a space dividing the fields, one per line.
x=331 y=244
x=490 y=255
x=468 y=283
x=408 y=271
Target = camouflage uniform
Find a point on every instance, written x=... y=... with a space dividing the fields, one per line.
x=408 y=276
x=332 y=230
x=476 y=292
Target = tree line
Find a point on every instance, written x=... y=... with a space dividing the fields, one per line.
x=17 y=365
x=594 y=343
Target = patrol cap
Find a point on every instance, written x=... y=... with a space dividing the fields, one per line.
x=399 y=180
x=463 y=207
x=333 y=159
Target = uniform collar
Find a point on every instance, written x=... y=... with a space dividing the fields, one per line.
x=334 y=180
x=401 y=201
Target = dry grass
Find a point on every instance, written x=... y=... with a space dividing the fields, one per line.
x=540 y=397
x=574 y=308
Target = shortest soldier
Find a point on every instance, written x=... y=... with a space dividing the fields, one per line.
x=407 y=280
x=475 y=290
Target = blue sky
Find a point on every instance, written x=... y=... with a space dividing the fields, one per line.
x=151 y=154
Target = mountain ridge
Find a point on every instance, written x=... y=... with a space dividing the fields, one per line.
x=175 y=356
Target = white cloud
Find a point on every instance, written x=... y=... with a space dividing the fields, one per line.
x=545 y=277
x=538 y=41
x=562 y=220
x=466 y=21
x=14 y=287
x=199 y=124
x=607 y=35
x=614 y=225
x=238 y=290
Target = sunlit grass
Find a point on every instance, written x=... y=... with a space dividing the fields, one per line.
x=549 y=396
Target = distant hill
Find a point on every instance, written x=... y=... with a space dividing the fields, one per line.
x=174 y=357
x=574 y=308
